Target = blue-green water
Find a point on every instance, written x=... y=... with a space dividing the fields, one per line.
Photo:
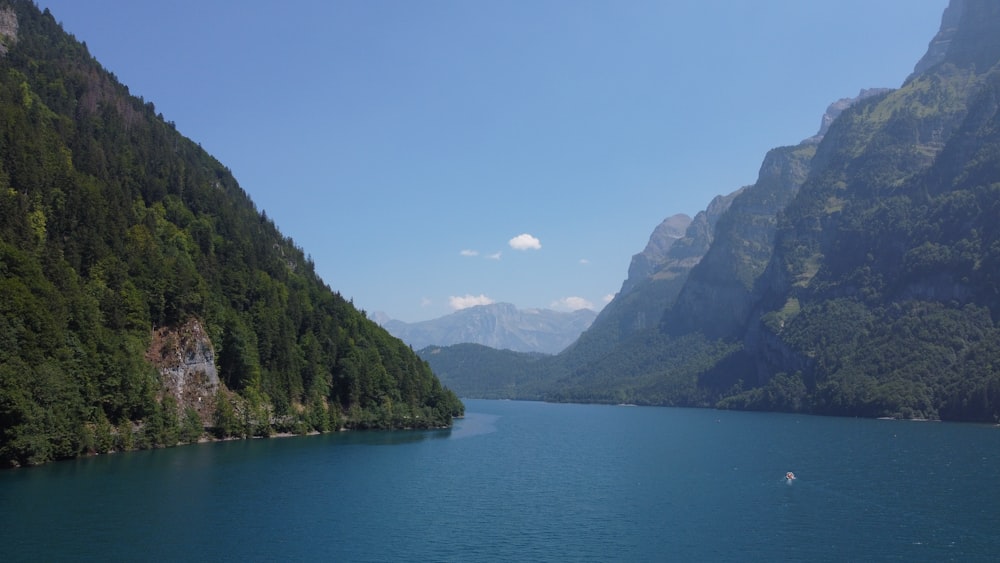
x=531 y=482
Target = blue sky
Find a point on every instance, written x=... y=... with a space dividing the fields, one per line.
x=435 y=154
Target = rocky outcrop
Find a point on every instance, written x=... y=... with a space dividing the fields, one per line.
x=676 y=245
x=834 y=110
x=876 y=227
x=185 y=359
x=967 y=37
x=645 y=263
x=938 y=47
x=687 y=251
x=718 y=296
x=651 y=287
x=8 y=29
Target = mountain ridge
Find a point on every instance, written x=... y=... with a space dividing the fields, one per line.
x=856 y=277
x=501 y=326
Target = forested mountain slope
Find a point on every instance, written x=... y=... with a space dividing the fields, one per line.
x=883 y=290
x=142 y=294
x=868 y=290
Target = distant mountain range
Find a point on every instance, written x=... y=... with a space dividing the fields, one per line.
x=501 y=326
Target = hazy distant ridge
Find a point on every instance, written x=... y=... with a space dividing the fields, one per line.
x=500 y=325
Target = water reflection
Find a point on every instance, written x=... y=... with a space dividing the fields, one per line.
x=391 y=437
x=475 y=424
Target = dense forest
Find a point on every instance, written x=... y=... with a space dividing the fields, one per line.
x=859 y=276
x=115 y=227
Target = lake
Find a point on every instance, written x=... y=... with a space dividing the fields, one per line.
x=523 y=481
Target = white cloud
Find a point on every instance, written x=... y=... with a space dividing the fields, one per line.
x=425 y=302
x=494 y=256
x=468 y=252
x=525 y=242
x=571 y=304
x=609 y=297
x=584 y=261
x=464 y=302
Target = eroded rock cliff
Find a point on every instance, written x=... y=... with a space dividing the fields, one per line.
x=185 y=359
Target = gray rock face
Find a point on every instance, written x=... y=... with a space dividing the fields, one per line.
x=967 y=37
x=828 y=253
x=655 y=277
x=938 y=47
x=652 y=257
x=501 y=326
x=676 y=245
x=698 y=237
x=836 y=108
x=706 y=275
x=718 y=295
x=185 y=359
x=8 y=29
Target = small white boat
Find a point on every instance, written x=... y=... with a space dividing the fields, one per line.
x=789 y=476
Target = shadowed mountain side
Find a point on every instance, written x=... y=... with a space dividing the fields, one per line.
x=858 y=276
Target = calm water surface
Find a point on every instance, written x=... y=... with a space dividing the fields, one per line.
x=518 y=481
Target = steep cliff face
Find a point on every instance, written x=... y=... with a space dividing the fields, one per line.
x=651 y=287
x=719 y=295
x=645 y=263
x=704 y=280
x=689 y=249
x=892 y=238
x=871 y=168
x=834 y=110
x=8 y=29
x=967 y=38
x=185 y=359
x=858 y=275
x=939 y=45
x=717 y=298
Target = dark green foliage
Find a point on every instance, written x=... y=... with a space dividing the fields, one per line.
x=225 y=422
x=648 y=368
x=781 y=393
x=628 y=314
x=191 y=427
x=890 y=255
x=113 y=224
x=474 y=370
x=911 y=360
